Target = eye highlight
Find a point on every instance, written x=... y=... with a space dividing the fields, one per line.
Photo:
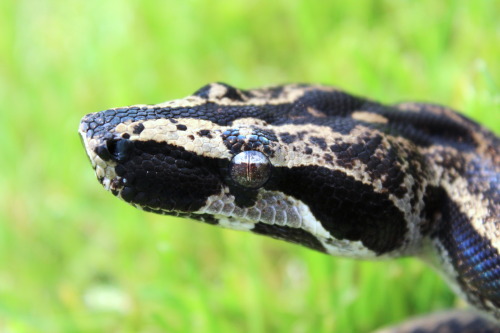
x=250 y=169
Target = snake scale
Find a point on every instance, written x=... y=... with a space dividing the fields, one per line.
x=319 y=167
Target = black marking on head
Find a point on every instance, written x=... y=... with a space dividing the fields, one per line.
x=233 y=140
x=431 y=215
x=118 y=150
x=394 y=174
x=181 y=127
x=103 y=152
x=288 y=138
x=206 y=133
x=320 y=142
x=347 y=208
x=302 y=135
x=166 y=177
x=121 y=150
x=364 y=151
x=425 y=128
x=334 y=103
x=414 y=197
x=232 y=93
x=237 y=143
x=224 y=91
x=276 y=91
x=267 y=133
x=294 y=235
x=243 y=197
x=474 y=258
x=138 y=128
x=203 y=92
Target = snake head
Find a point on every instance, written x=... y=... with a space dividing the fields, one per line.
x=207 y=168
x=272 y=161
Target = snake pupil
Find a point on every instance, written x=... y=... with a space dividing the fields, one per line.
x=250 y=169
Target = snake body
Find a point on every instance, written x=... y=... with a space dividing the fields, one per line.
x=316 y=166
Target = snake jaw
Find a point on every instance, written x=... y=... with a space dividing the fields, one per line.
x=104 y=169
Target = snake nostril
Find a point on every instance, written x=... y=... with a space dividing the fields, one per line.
x=103 y=152
x=120 y=149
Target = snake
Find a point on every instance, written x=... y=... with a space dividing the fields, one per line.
x=319 y=167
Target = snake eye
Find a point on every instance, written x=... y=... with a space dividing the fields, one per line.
x=250 y=169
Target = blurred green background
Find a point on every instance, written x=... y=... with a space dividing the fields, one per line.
x=74 y=259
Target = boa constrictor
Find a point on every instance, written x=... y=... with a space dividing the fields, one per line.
x=316 y=166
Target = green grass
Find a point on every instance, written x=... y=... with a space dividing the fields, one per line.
x=74 y=259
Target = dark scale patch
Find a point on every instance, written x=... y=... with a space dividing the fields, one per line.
x=320 y=142
x=233 y=140
x=138 y=128
x=275 y=91
x=203 y=92
x=334 y=103
x=308 y=151
x=431 y=215
x=232 y=93
x=243 y=197
x=117 y=150
x=348 y=209
x=191 y=137
x=294 y=235
x=474 y=258
x=302 y=135
x=205 y=133
x=265 y=133
x=363 y=151
x=229 y=92
x=237 y=143
x=414 y=199
x=181 y=127
x=103 y=152
x=426 y=127
x=288 y=138
x=390 y=165
x=165 y=177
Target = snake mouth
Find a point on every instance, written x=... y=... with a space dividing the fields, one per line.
x=269 y=207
